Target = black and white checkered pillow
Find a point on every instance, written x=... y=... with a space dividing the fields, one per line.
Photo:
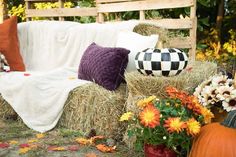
x=161 y=62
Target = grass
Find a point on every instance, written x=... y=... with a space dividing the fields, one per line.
x=60 y=137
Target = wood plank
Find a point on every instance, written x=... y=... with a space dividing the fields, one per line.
x=41 y=0
x=144 y=5
x=180 y=42
x=171 y=23
x=63 y=12
x=141 y=15
x=110 y=1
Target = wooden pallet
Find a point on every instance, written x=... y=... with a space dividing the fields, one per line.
x=113 y=6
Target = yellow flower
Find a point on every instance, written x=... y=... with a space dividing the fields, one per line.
x=13 y=142
x=193 y=127
x=144 y=102
x=150 y=117
x=32 y=140
x=24 y=150
x=174 y=125
x=126 y=116
x=40 y=136
x=207 y=115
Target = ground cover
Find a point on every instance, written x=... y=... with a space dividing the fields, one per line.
x=18 y=140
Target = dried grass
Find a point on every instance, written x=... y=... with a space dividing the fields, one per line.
x=93 y=107
x=5 y=109
x=141 y=86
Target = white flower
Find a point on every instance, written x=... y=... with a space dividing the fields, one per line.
x=220 y=80
x=230 y=104
x=164 y=137
x=224 y=92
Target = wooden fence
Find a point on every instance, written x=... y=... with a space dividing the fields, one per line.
x=113 y=6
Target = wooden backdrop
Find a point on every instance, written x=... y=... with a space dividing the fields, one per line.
x=112 y=6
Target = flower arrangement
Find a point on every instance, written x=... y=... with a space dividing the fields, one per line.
x=218 y=91
x=172 y=122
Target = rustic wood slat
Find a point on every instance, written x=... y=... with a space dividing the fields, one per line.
x=41 y=0
x=141 y=15
x=171 y=23
x=63 y=12
x=110 y=1
x=180 y=42
x=143 y=5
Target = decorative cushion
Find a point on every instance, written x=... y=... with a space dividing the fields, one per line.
x=161 y=62
x=9 y=44
x=103 y=65
x=4 y=66
x=135 y=43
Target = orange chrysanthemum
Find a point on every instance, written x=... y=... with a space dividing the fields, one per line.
x=150 y=117
x=189 y=101
x=193 y=127
x=174 y=125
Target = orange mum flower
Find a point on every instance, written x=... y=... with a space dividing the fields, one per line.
x=150 y=117
x=174 y=125
x=193 y=127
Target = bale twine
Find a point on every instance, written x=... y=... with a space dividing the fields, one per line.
x=93 y=107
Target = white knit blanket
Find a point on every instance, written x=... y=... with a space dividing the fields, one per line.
x=49 y=47
x=39 y=98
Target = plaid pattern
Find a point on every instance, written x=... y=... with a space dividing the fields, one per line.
x=161 y=62
x=4 y=66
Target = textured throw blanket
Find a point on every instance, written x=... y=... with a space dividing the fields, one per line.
x=39 y=97
x=46 y=45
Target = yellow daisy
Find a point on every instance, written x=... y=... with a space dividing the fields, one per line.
x=207 y=114
x=174 y=125
x=126 y=116
x=144 y=102
x=193 y=127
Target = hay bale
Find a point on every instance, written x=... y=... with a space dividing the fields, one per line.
x=5 y=109
x=141 y=86
x=93 y=107
x=88 y=107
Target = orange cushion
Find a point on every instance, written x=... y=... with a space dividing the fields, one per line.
x=9 y=44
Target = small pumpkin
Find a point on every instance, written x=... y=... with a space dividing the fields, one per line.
x=215 y=140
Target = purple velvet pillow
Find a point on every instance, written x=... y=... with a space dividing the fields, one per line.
x=104 y=65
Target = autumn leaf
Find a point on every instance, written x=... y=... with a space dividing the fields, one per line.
x=4 y=145
x=13 y=142
x=73 y=148
x=39 y=136
x=84 y=141
x=24 y=145
x=55 y=148
x=90 y=155
x=94 y=138
x=105 y=149
x=33 y=140
x=24 y=150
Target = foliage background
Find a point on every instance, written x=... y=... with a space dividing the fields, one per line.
x=216 y=33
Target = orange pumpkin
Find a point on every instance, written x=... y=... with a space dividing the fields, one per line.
x=215 y=140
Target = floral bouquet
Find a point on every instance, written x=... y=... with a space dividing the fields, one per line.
x=219 y=92
x=171 y=122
